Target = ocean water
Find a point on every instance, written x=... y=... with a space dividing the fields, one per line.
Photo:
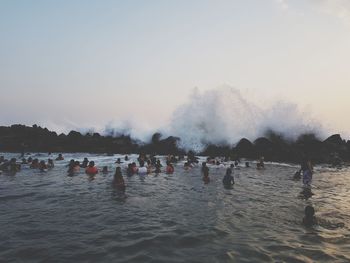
x=52 y=217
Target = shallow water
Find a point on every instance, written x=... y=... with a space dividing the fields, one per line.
x=50 y=216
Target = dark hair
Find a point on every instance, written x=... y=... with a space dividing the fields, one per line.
x=309 y=211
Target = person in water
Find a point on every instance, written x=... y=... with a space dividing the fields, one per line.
x=60 y=157
x=118 y=161
x=142 y=170
x=42 y=166
x=34 y=164
x=105 y=170
x=169 y=168
x=205 y=169
x=260 y=164
x=134 y=167
x=76 y=167
x=85 y=163
x=309 y=219
x=126 y=158
x=307 y=169
x=228 y=179
x=91 y=169
x=71 y=163
x=129 y=170
x=158 y=166
x=10 y=166
x=118 y=180
x=50 y=164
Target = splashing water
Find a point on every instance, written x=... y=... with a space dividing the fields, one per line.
x=223 y=116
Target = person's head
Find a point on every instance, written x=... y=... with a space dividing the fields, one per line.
x=232 y=166
x=91 y=164
x=105 y=169
x=129 y=165
x=30 y=159
x=86 y=160
x=71 y=161
x=158 y=161
x=228 y=171
x=50 y=161
x=309 y=211
x=246 y=164
x=142 y=163
x=204 y=164
x=60 y=155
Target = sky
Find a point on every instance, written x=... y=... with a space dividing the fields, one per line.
x=88 y=64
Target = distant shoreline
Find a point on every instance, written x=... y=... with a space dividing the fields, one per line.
x=22 y=139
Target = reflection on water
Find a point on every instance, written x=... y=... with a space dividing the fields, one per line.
x=173 y=218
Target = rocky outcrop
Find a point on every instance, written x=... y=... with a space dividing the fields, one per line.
x=21 y=138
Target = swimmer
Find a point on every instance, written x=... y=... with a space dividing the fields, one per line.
x=126 y=158
x=91 y=169
x=247 y=164
x=142 y=170
x=169 y=168
x=205 y=169
x=34 y=164
x=158 y=166
x=307 y=169
x=118 y=180
x=24 y=161
x=260 y=164
x=105 y=170
x=60 y=157
x=309 y=219
x=187 y=165
x=149 y=166
x=30 y=159
x=85 y=163
x=129 y=170
x=76 y=167
x=50 y=164
x=118 y=161
x=206 y=178
x=228 y=179
x=42 y=166
x=134 y=167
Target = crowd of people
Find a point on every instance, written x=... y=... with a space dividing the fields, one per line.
x=150 y=164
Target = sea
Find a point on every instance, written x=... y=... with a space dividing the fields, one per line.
x=53 y=217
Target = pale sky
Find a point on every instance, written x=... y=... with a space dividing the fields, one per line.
x=87 y=63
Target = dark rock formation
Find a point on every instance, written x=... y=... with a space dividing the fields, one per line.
x=20 y=138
